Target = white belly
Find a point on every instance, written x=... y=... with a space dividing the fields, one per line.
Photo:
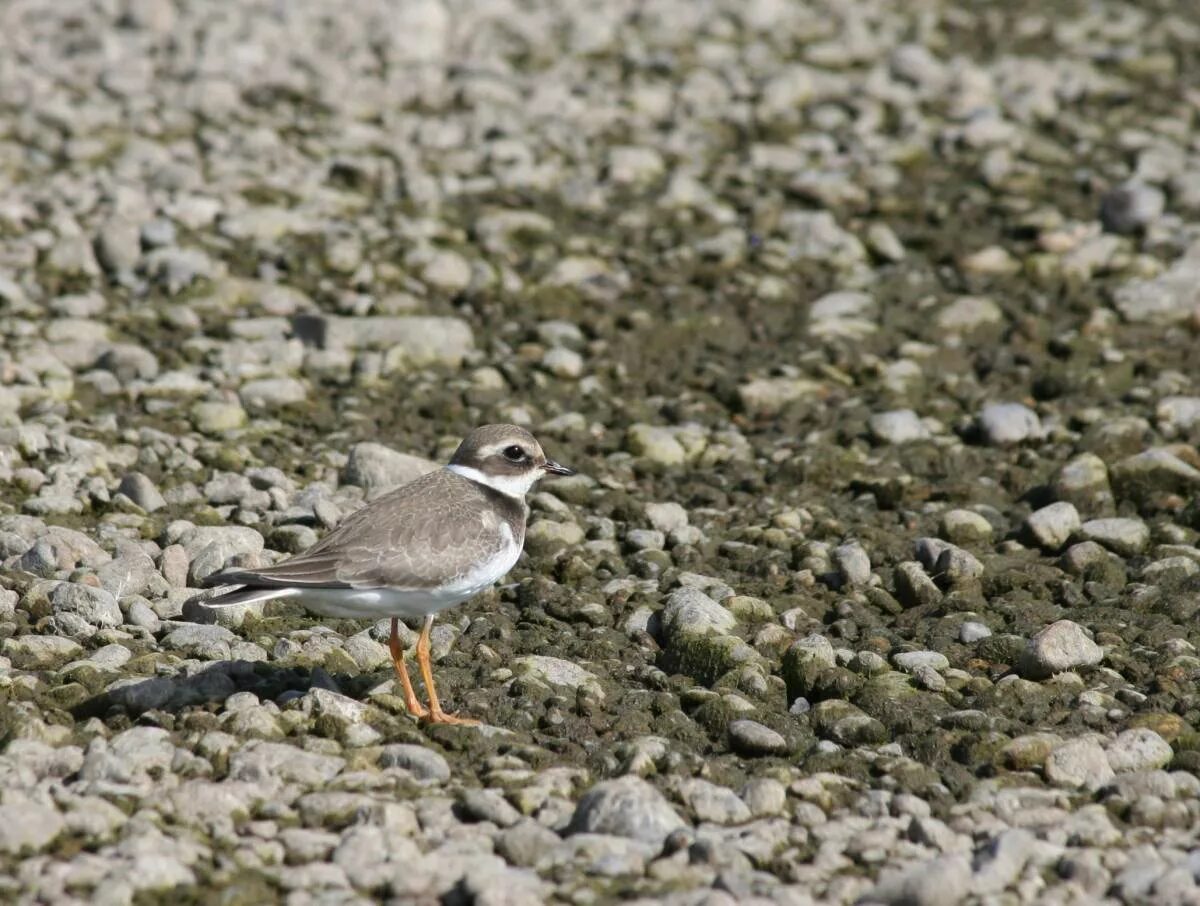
x=411 y=603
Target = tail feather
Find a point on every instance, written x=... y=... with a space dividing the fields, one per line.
x=247 y=594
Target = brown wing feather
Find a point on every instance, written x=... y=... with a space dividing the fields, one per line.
x=419 y=536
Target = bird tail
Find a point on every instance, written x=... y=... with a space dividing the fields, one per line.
x=247 y=594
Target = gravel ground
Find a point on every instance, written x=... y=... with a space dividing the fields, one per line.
x=871 y=327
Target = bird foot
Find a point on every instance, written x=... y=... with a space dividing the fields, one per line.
x=438 y=716
x=416 y=709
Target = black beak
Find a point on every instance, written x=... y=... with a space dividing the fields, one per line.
x=553 y=468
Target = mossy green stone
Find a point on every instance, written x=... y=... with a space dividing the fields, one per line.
x=832 y=682
x=892 y=699
x=68 y=695
x=705 y=657
x=1002 y=648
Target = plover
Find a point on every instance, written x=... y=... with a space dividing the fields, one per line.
x=426 y=546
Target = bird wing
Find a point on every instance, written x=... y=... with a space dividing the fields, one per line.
x=417 y=537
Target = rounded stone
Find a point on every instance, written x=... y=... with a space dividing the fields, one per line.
x=1052 y=526
x=1079 y=763
x=1006 y=424
x=900 y=426
x=95 y=605
x=625 y=807
x=965 y=527
x=1139 y=749
x=750 y=738
x=972 y=631
x=1061 y=646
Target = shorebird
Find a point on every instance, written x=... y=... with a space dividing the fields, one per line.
x=415 y=551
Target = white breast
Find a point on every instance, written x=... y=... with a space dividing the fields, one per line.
x=485 y=574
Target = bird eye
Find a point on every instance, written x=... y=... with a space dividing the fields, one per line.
x=514 y=453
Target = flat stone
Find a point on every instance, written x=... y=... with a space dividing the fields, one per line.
x=1151 y=475
x=260 y=761
x=378 y=469
x=557 y=672
x=1170 y=569
x=1123 y=536
x=424 y=764
x=269 y=394
x=325 y=702
x=409 y=340
x=843 y=313
x=40 y=652
x=208 y=642
x=625 y=807
x=132 y=754
x=230 y=539
x=764 y=796
x=909 y=661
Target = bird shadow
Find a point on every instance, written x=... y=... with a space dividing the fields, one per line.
x=215 y=682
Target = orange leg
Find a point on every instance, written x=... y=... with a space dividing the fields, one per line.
x=415 y=708
x=436 y=714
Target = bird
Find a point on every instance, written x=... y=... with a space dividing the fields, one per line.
x=415 y=551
